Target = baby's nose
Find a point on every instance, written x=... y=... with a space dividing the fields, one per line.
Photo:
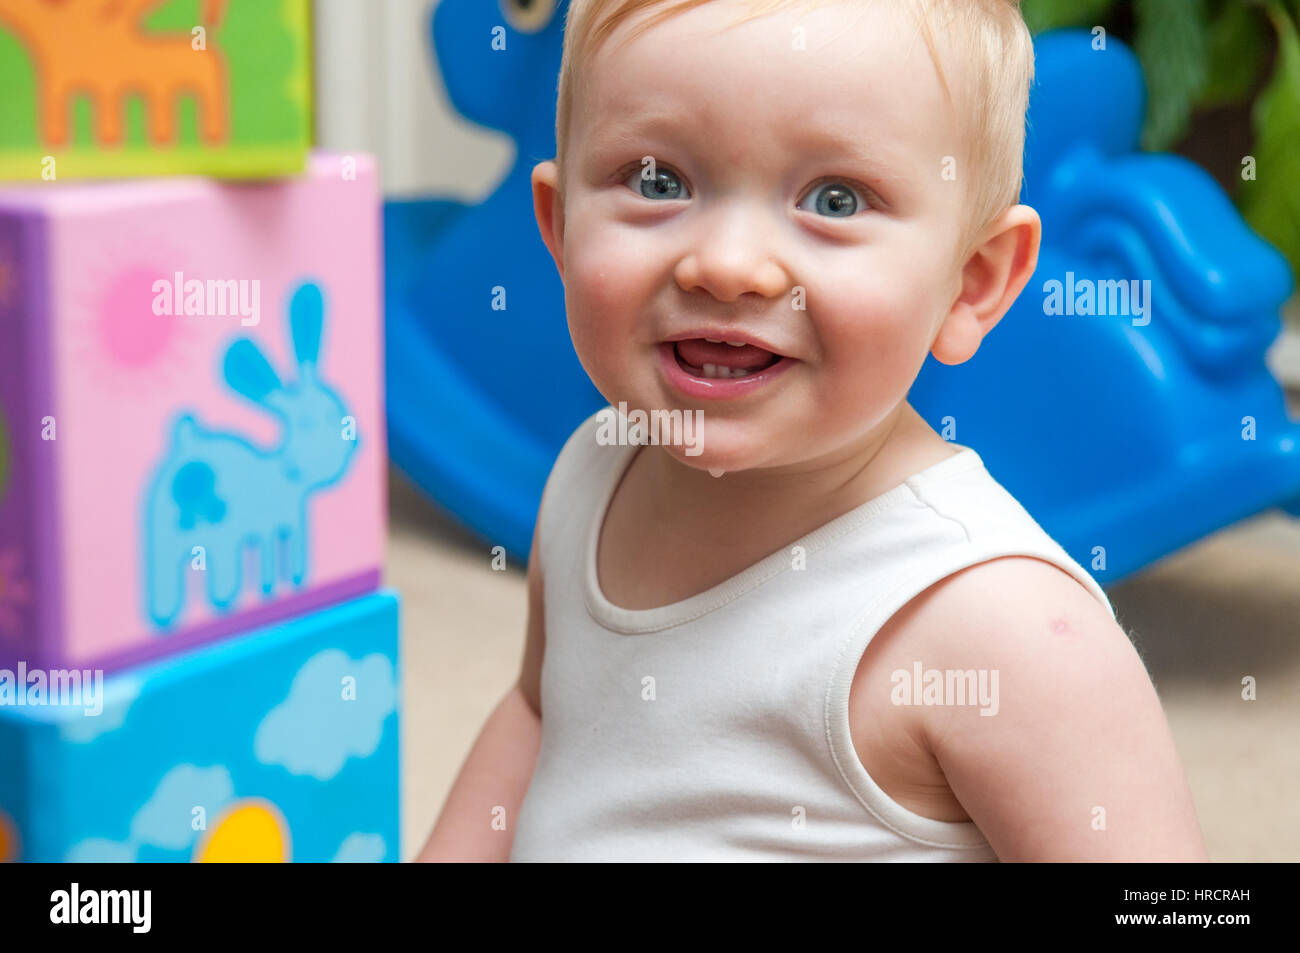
x=731 y=261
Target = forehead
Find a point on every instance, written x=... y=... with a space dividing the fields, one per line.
x=851 y=73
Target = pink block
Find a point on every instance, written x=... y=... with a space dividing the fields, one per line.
x=179 y=459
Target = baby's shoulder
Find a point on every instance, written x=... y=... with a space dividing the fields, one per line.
x=1027 y=619
x=1026 y=626
x=983 y=611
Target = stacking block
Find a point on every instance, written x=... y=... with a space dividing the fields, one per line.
x=191 y=420
x=149 y=87
x=277 y=745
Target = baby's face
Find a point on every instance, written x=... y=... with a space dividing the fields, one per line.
x=798 y=205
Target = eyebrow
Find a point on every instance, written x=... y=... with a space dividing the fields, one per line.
x=641 y=124
x=826 y=140
x=876 y=155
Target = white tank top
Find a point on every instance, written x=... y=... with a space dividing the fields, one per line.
x=717 y=728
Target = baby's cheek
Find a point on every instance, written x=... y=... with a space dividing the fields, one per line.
x=870 y=328
x=602 y=304
x=595 y=285
x=873 y=357
x=602 y=349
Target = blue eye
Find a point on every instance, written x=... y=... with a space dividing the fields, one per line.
x=663 y=185
x=836 y=200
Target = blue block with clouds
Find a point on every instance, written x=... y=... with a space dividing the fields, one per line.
x=281 y=744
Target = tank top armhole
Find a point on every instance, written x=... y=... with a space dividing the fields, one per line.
x=963 y=835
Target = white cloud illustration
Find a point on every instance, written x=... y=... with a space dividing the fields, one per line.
x=336 y=710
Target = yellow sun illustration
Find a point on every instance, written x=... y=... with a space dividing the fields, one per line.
x=250 y=831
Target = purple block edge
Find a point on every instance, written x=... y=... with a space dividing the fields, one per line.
x=45 y=469
x=237 y=622
x=32 y=455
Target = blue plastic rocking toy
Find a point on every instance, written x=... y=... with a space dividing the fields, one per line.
x=1127 y=435
x=1124 y=399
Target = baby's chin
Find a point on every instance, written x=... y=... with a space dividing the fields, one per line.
x=724 y=446
x=705 y=437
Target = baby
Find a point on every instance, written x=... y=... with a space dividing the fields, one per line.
x=817 y=630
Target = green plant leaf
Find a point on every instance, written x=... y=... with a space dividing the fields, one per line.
x=1236 y=54
x=1271 y=203
x=1173 y=44
x=1043 y=15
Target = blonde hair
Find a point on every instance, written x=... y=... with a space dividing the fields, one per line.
x=991 y=34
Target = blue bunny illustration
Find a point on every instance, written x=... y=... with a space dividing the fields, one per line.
x=215 y=493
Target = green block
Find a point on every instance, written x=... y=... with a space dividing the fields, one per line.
x=154 y=87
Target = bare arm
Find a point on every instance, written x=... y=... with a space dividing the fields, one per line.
x=1078 y=764
x=499 y=767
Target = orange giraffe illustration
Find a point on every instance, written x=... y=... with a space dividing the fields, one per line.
x=100 y=48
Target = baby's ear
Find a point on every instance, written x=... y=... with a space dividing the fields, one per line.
x=995 y=272
x=548 y=206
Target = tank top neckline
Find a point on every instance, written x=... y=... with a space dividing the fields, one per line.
x=641 y=621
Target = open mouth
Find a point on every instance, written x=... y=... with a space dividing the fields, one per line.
x=710 y=359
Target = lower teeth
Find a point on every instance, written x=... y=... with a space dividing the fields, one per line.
x=719 y=370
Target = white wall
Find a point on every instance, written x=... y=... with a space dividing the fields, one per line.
x=377 y=91
x=1284 y=358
